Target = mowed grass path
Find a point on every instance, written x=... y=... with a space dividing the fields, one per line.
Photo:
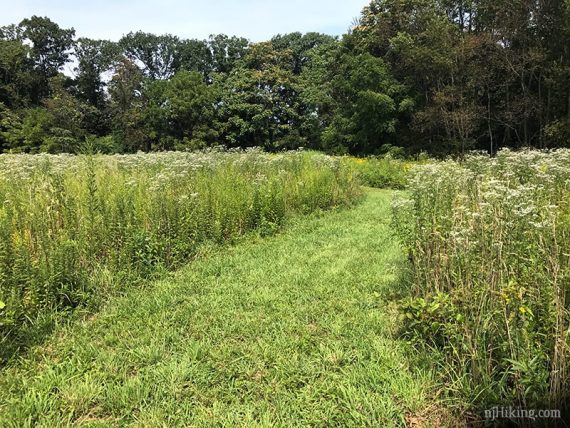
x=291 y=330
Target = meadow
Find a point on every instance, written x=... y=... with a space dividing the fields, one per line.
x=297 y=293
x=292 y=329
x=318 y=228
x=77 y=227
x=489 y=245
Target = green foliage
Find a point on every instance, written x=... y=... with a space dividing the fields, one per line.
x=292 y=331
x=300 y=46
x=157 y=54
x=381 y=172
x=35 y=130
x=178 y=113
x=15 y=77
x=366 y=99
x=50 y=44
x=104 y=145
x=226 y=52
x=126 y=105
x=94 y=57
x=487 y=239
x=133 y=215
x=259 y=105
x=10 y=129
x=436 y=318
x=50 y=48
x=558 y=132
x=190 y=107
x=442 y=77
x=482 y=75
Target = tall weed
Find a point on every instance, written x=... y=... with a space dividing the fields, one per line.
x=489 y=244
x=69 y=223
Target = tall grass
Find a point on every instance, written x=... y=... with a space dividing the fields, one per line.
x=489 y=243
x=382 y=172
x=70 y=226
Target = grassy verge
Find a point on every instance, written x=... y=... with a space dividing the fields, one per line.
x=291 y=330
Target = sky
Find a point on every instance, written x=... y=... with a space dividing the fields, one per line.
x=257 y=20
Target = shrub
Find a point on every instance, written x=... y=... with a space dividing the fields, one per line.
x=381 y=172
x=488 y=241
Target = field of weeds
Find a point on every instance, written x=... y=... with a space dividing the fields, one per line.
x=72 y=226
x=489 y=244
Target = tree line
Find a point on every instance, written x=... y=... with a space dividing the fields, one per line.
x=441 y=76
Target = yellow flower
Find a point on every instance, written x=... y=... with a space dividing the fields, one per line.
x=16 y=238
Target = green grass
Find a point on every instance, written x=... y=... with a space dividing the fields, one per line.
x=290 y=330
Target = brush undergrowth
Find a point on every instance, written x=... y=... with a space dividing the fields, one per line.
x=489 y=244
x=382 y=172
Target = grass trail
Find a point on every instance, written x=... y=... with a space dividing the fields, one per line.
x=291 y=330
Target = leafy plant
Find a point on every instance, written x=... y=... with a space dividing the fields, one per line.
x=487 y=240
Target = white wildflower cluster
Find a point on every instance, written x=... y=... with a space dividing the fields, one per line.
x=470 y=210
x=491 y=235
